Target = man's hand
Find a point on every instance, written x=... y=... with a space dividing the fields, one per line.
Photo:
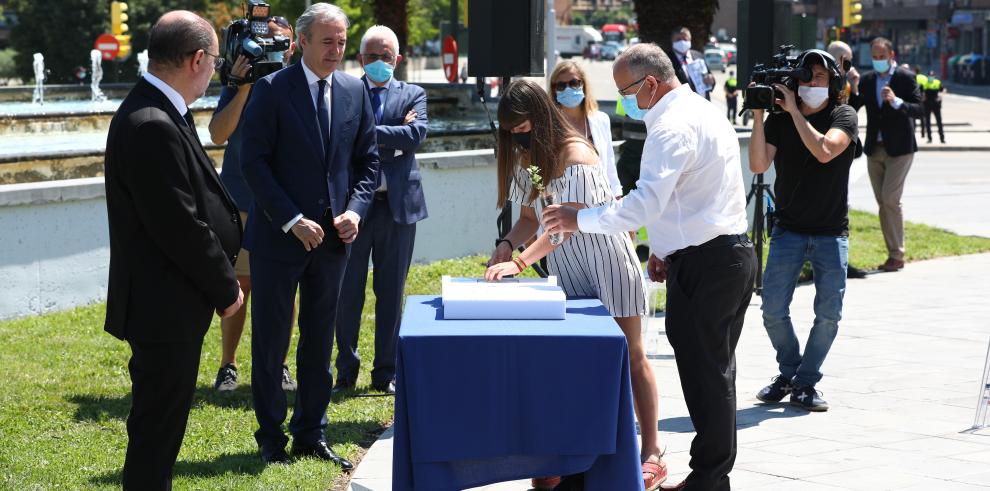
x=410 y=117
x=657 y=269
x=309 y=233
x=789 y=102
x=853 y=77
x=347 y=226
x=709 y=80
x=234 y=307
x=559 y=218
x=888 y=95
x=240 y=69
x=501 y=254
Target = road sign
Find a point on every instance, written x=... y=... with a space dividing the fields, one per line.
x=108 y=45
x=449 y=56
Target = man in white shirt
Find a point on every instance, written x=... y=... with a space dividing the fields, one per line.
x=690 y=196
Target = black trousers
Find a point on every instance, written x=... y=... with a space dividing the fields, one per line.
x=730 y=107
x=708 y=292
x=163 y=381
x=933 y=108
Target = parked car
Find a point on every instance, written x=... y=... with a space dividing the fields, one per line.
x=611 y=49
x=716 y=59
x=730 y=52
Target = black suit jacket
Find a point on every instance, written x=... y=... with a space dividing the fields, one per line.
x=174 y=230
x=897 y=125
x=679 y=69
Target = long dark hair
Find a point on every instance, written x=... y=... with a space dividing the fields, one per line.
x=525 y=100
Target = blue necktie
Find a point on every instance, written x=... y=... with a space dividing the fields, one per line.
x=376 y=103
x=323 y=116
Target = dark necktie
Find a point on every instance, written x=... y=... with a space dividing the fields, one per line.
x=189 y=119
x=323 y=116
x=376 y=103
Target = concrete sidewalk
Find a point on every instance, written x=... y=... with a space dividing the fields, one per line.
x=902 y=379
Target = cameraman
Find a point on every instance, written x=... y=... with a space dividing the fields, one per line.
x=812 y=142
x=225 y=126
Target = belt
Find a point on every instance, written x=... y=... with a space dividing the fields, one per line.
x=720 y=241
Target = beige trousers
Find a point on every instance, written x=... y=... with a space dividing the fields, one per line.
x=887 y=175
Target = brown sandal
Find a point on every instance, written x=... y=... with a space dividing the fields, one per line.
x=657 y=472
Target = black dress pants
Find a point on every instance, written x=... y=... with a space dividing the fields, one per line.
x=708 y=291
x=163 y=381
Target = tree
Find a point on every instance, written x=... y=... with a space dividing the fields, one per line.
x=61 y=30
x=658 y=18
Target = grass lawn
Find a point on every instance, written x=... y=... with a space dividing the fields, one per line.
x=64 y=392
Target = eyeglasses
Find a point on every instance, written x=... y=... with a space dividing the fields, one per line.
x=575 y=83
x=217 y=60
x=281 y=21
x=624 y=89
x=371 y=57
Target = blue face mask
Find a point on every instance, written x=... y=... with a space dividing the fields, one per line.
x=570 y=98
x=882 y=66
x=631 y=106
x=379 y=71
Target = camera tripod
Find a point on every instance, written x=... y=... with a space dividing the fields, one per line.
x=760 y=191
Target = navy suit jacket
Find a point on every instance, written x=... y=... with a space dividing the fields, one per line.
x=401 y=173
x=283 y=160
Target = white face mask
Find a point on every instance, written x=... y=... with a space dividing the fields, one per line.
x=813 y=96
x=682 y=46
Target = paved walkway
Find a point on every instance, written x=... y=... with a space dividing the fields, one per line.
x=902 y=379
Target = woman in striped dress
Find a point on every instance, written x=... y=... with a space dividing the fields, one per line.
x=537 y=144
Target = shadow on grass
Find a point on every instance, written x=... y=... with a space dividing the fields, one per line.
x=243 y=463
x=99 y=408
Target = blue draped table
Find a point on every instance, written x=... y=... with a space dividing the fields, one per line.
x=479 y=402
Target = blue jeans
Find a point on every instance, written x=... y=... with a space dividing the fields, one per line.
x=829 y=257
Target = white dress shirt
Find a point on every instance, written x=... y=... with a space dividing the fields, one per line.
x=173 y=95
x=313 y=81
x=600 y=127
x=690 y=187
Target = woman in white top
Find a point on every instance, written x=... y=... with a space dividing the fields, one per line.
x=534 y=135
x=573 y=96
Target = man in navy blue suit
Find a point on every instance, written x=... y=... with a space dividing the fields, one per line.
x=389 y=231
x=310 y=157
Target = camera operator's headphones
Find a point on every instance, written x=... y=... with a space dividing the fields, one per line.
x=835 y=81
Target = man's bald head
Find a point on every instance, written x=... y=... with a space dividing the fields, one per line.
x=176 y=36
x=839 y=49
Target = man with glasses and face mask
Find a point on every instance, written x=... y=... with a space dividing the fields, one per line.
x=812 y=144
x=226 y=127
x=389 y=230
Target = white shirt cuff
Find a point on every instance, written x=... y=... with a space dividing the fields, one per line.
x=898 y=102
x=588 y=221
x=288 y=225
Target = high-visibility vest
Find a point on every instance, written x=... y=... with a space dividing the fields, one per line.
x=934 y=84
x=731 y=82
x=922 y=81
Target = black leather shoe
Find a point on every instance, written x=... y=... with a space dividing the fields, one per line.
x=855 y=273
x=323 y=452
x=388 y=388
x=278 y=457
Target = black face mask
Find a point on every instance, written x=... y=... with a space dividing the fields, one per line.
x=522 y=139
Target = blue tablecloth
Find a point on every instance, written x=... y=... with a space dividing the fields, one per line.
x=479 y=402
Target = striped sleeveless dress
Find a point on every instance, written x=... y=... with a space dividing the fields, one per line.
x=590 y=265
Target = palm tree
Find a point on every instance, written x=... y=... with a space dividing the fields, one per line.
x=658 y=18
x=394 y=14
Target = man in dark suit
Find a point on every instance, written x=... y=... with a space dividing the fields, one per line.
x=174 y=237
x=310 y=157
x=389 y=231
x=681 y=55
x=893 y=101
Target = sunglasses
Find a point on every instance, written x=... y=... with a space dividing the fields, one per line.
x=575 y=83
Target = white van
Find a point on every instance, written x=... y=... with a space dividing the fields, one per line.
x=571 y=40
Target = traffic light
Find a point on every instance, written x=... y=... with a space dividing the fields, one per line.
x=118 y=25
x=851 y=12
